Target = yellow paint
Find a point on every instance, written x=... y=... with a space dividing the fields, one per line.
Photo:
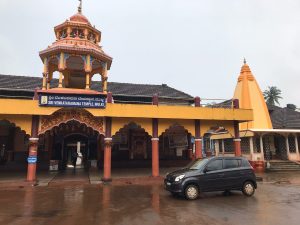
x=22 y=121
x=207 y=125
x=119 y=123
x=164 y=124
x=31 y=107
x=228 y=135
x=250 y=97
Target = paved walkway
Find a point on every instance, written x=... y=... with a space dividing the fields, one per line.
x=120 y=176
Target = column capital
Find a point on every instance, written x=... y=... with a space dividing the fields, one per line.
x=154 y=139
x=237 y=139
x=198 y=139
x=33 y=139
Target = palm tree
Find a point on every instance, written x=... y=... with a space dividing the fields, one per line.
x=272 y=95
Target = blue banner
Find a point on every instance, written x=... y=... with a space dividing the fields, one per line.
x=76 y=101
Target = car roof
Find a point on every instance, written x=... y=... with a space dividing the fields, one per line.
x=227 y=157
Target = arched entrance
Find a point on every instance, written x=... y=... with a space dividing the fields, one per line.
x=175 y=147
x=62 y=142
x=131 y=147
x=13 y=146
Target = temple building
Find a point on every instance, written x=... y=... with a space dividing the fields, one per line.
x=272 y=136
x=44 y=120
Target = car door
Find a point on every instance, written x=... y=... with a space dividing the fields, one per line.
x=213 y=176
x=232 y=173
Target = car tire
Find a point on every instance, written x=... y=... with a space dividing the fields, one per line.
x=191 y=192
x=248 y=188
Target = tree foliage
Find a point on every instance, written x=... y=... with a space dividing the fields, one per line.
x=272 y=95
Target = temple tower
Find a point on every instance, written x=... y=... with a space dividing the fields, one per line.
x=76 y=55
x=250 y=97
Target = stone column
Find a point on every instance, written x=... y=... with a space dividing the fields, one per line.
x=155 y=148
x=297 y=146
x=107 y=150
x=261 y=147
x=287 y=145
x=237 y=140
x=33 y=145
x=251 y=147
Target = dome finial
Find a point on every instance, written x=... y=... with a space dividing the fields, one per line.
x=245 y=62
x=80 y=6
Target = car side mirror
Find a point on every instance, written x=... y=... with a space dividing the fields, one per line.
x=205 y=170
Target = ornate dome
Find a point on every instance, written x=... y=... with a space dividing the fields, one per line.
x=78 y=17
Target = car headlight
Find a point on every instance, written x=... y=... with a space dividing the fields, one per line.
x=178 y=178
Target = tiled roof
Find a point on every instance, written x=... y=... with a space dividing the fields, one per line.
x=28 y=84
x=284 y=118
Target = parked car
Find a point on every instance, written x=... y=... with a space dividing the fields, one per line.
x=212 y=174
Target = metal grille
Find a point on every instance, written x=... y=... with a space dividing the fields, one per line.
x=256 y=145
x=245 y=145
x=267 y=148
x=292 y=145
x=228 y=146
x=280 y=146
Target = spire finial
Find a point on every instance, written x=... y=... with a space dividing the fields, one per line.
x=80 y=6
x=245 y=60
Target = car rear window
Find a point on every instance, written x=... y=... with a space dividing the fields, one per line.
x=232 y=163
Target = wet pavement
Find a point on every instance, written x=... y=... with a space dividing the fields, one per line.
x=273 y=203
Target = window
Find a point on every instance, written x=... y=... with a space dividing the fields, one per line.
x=232 y=163
x=215 y=165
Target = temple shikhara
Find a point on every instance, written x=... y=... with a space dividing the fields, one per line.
x=45 y=120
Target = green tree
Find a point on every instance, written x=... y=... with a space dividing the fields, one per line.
x=272 y=95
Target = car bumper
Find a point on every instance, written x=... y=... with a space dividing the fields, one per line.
x=173 y=187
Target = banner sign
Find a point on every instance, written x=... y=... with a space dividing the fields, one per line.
x=32 y=159
x=77 y=101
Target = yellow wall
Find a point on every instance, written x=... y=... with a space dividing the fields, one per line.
x=207 y=125
x=31 y=107
x=22 y=121
x=164 y=124
x=119 y=123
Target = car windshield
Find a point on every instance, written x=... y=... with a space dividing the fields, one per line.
x=197 y=164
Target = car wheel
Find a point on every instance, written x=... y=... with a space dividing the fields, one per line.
x=248 y=189
x=191 y=192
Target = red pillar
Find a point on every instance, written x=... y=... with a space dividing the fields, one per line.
x=155 y=148
x=198 y=140
x=237 y=140
x=32 y=154
x=107 y=150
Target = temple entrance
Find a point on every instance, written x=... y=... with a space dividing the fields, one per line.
x=131 y=147
x=13 y=147
x=72 y=144
x=175 y=147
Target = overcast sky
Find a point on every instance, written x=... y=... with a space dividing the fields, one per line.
x=196 y=46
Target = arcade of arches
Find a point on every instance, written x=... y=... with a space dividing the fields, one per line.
x=57 y=136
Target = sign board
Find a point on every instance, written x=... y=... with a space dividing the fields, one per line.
x=32 y=159
x=69 y=100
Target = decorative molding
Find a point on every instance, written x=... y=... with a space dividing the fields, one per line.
x=66 y=115
x=154 y=139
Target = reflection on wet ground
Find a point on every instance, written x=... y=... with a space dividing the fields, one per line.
x=146 y=204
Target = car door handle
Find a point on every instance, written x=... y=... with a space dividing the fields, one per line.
x=221 y=175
